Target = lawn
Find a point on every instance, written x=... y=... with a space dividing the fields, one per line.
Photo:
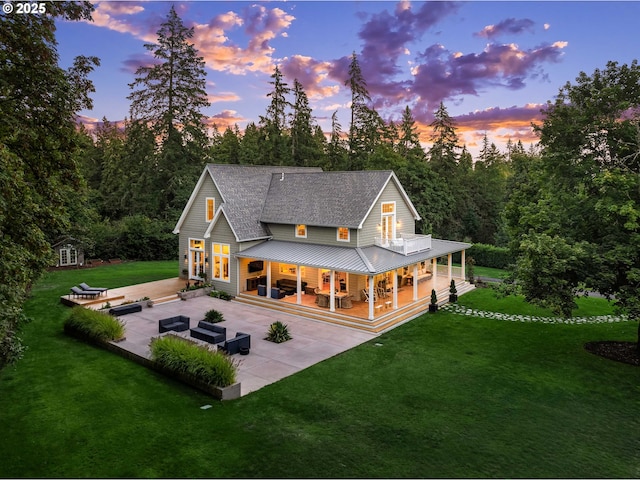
x=441 y=396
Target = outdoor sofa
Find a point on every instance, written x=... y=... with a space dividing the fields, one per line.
x=209 y=332
x=289 y=286
x=242 y=341
x=125 y=309
x=179 y=323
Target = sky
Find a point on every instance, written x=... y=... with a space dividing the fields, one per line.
x=494 y=64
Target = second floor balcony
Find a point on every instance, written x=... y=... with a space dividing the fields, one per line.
x=407 y=244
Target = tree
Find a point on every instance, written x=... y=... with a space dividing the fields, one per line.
x=442 y=153
x=362 y=117
x=39 y=153
x=305 y=150
x=168 y=97
x=589 y=187
x=170 y=94
x=274 y=123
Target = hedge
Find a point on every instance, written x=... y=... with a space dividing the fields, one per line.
x=490 y=255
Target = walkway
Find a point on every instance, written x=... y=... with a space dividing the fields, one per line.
x=312 y=341
x=470 y=312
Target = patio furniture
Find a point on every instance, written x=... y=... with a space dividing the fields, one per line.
x=84 y=293
x=323 y=300
x=125 y=309
x=262 y=290
x=346 y=302
x=277 y=293
x=179 y=323
x=240 y=341
x=209 y=332
x=365 y=296
x=289 y=286
x=87 y=288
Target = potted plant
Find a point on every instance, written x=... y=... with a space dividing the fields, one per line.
x=453 y=292
x=433 y=306
x=278 y=332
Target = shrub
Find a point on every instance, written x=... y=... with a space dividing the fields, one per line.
x=214 y=316
x=434 y=297
x=452 y=287
x=221 y=295
x=278 y=332
x=95 y=325
x=182 y=356
x=490 y=255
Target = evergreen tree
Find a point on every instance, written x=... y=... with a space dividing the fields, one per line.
x=274 y=123
x=363 y=120
x=336 y=149
x=168 y=97
x=251 y=151
x=304 y=149
x=442 y=154
x=409 y=142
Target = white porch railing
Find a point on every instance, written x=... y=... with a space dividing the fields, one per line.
x=409 y=243
x=443 y=271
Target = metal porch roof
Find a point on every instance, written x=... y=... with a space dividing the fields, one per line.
x=363 y=261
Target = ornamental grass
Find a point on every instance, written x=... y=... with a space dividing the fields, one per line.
x=94 y=325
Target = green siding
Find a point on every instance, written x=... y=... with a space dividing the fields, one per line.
x=317 y=235
x=370 y=228
x=222 y=233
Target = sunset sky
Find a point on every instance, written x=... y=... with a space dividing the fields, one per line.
x=493 y=64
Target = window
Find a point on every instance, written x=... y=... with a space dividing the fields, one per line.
x=221 y=262
x=343 y=234
x=389 y=207
x=291 y=269
x=301 y=231
x=211 y=208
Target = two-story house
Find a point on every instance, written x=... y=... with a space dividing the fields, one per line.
x=340 y=242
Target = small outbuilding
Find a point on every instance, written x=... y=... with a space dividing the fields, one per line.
x=69 y=252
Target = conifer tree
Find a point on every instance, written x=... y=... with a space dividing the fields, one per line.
x=274 y=123
x=362 y=118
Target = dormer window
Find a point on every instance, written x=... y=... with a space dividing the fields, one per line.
x=343 y=234
x=301 y=231
x=210 y=208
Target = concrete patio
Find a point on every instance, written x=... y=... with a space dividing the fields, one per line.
x=267 y=362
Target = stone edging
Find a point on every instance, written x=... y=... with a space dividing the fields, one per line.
x=470 y=312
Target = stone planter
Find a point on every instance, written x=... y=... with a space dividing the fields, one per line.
x=453 y=298
x=199 y=292
x=433 y=308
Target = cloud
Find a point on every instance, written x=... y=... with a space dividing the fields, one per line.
x=223 y=97
x=106 y=13
x=495 y=118
x=224 y=119
x=311 y=74
x=510 y=26
x=441 y=75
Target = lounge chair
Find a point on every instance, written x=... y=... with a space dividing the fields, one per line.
x=84 y=293
x=87 y=288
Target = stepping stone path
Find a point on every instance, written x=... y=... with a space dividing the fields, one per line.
x=470 y=312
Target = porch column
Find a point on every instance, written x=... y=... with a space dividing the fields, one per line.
x=463 y=260
x=268 y=279
x=332 y=297
x=415 y=282
x=298 y=285
x=371 y=297
x=395 y=289
x=434 y=267
x=449 y=267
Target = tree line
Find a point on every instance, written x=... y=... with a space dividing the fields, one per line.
x=567 y=208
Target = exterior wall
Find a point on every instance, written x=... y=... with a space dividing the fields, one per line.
x=370 y=228
x=317 y=235
x=222 y=233
x=195 y=223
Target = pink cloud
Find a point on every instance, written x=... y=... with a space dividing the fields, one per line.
x=311 y=74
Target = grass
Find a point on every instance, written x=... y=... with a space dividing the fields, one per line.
x=441 y=396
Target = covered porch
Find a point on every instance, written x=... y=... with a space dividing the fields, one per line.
x=358 y=283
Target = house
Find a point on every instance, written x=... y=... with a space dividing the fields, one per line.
x=69 y=252
x=343 y=242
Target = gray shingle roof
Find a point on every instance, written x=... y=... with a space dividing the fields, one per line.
x=243 y=189
x=330 y=199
